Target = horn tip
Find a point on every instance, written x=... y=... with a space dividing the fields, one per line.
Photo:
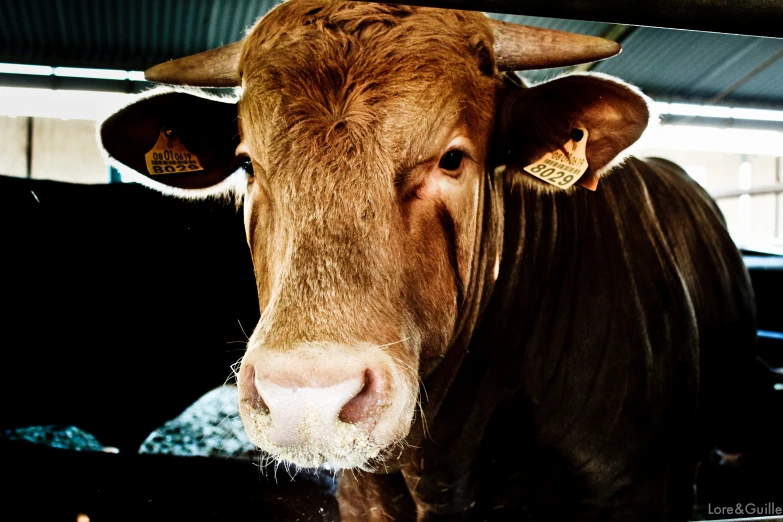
x=213 y=68
x=612 y=48
x=157 y=74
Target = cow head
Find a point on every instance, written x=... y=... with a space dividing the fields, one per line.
x=363 y=134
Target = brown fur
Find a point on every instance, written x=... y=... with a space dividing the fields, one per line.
x=340 y=149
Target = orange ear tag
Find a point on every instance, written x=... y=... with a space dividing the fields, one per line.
x=169 y=156
x=563 y=167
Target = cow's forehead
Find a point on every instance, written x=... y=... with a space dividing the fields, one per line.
x=362 y=75
x=368 y=23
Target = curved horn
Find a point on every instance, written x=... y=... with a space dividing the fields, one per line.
x=517 y=47
x=520 y=47
x=214 y=68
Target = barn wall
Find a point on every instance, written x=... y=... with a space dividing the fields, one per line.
x=66 y=150
x=63 y=150
x=13 y=146
x=762 y=216
x=780 y=216
x=750 y=218
x=730 y=209
x=720 y=171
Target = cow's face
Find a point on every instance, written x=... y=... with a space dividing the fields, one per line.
x=361 y=214
x=364 y=132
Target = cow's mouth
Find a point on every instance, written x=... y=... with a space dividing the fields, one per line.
x=315 y=406
x=335 y=445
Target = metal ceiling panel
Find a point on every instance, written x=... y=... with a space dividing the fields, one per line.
x=125 y=34
x=136 y=34
x=672 y=63
x=767 y=85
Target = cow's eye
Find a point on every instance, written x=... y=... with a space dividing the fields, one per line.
x=247 y=166
x=451 y=160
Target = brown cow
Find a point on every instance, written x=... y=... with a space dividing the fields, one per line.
x=399 y=246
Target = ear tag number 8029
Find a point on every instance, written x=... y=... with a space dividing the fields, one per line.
x=563 y=167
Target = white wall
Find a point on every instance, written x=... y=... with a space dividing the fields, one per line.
x=67 y=150
x=751 y=219
x=63 y=150
x=780 y=216
x=13 y=146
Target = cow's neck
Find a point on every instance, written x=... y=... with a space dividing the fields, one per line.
x=443 y=473
x=437 y=385
x=433 y=442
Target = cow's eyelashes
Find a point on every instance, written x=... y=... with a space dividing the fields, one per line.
x=451 y=160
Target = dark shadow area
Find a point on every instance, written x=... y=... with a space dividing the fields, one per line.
x=122 y=307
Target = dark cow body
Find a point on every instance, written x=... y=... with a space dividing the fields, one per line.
x=601 y=370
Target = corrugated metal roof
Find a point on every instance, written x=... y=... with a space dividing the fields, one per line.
x=127 y=34
x=768 y=85
x=689 y=64
x=669 y=63
x=135 y=34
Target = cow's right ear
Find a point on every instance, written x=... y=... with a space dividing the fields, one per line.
x=176 y=139
x=540 y=129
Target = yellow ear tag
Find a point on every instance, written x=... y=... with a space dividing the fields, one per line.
x=563 y=167
x=169 y=156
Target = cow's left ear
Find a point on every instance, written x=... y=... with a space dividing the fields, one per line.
x=538 y=120
x=176 y=139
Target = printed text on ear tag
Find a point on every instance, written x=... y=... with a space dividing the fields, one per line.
x=169 y=156
x=563 y=167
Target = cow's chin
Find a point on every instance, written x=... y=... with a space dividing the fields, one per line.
x=302 y=426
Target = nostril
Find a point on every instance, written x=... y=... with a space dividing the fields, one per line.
x=248 y=390
x=363 y=403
